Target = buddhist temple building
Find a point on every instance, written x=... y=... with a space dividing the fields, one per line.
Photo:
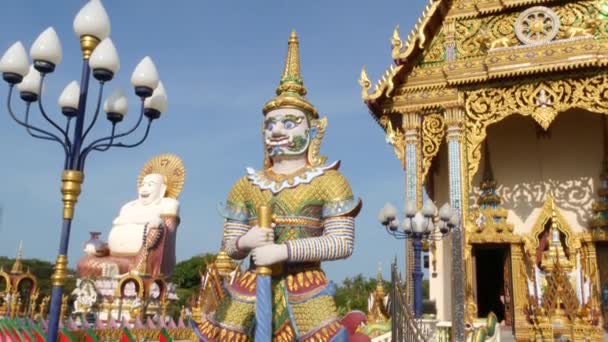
x=497 y=107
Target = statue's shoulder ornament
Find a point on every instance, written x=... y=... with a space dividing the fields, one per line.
x=267 y=180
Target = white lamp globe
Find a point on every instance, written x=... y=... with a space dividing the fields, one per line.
x=445 y=212
x=429 y=209
x=418 y=223
x=158 y=100
x=116 y=106
x=14 y=64
x=145 y=77
x=104 y=60
x=29 y=88
x=69 y=99
x=46 y=51
x=92 y=20
x=410 y=208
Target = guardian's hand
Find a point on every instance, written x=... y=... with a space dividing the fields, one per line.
x=255 y=237
x=269 y=254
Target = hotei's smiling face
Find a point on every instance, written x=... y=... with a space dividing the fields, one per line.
x=286 y=132
x=152 y=189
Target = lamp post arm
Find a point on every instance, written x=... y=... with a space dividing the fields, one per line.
x=104 y=147
x=113 y=136
x=68 y=143
x=97 y=108
x=29 y=127
x=98 y=148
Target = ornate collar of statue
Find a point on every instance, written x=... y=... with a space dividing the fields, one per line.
x=268 y=180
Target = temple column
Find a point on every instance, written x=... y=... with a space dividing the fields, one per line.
x=454 y=118
x=591 y=268
x=413 y=186
x=520 y=291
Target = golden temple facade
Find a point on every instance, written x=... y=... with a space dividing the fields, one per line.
x=495 y=106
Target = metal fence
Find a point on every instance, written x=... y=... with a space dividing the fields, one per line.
x=405 y=327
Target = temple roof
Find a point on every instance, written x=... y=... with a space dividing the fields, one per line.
x=463 y=42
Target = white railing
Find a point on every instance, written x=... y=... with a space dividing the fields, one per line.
x=383 y=338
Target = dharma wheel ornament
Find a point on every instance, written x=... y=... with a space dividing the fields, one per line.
x=537 y=25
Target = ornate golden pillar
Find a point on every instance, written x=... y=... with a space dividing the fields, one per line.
x=413 y=184
x=520 y=290
x=591 y=269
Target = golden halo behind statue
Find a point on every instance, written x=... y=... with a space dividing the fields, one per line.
x=171 y=167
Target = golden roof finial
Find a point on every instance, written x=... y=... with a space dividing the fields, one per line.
x=380 y=283
x=553 y=211
x=291 y=90
x=17 y=266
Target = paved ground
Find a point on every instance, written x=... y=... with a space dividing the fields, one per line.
x=506 y=335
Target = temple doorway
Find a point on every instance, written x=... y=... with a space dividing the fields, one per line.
x=602 y=264
x=493 y=281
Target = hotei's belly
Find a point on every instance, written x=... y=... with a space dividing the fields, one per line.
x=125 y=239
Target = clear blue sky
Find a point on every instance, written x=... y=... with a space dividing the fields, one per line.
x=220 y=62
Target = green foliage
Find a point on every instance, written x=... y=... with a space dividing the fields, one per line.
x=353 y=293
x=42 y=270
x=187 y=278
x=186 y=273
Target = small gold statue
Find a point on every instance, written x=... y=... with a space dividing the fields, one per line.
x=587 y=29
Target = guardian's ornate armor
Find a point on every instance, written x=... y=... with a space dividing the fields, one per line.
x=314 y=213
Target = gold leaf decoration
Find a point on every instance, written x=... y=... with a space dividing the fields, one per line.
x=542 y=99
x=433 y=131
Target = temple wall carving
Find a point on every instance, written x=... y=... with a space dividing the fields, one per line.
x=528 y=164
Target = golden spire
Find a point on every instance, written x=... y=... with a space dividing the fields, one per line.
x=487 y=186
x=380 y=284
x=555 y=254
x=378 y=312
x=292 y=79
x=291 y=90
x=17 y=266
x=488 y=174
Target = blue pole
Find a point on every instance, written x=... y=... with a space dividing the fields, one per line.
x=417 y=275
x=263 y=308
x=263 y=290
x=57 y=291
x=82 y=106
x=72 y=161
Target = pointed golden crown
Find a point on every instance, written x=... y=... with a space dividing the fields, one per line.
x=291 y=91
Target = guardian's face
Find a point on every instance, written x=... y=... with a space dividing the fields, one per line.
x=286 y=132
x=152 y=189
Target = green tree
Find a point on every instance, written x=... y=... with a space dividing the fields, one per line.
x=187 y=273
x=353 y=293
x=187 y=278
x=42 y=270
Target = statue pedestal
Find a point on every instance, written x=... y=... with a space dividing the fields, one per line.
x=123 y=298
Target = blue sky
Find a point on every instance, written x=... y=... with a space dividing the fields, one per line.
x=220 y=61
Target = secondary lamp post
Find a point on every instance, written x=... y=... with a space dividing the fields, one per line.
x=419 y=225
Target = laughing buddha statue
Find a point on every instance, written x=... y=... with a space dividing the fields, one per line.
x=142 y=237
x=314 y=214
